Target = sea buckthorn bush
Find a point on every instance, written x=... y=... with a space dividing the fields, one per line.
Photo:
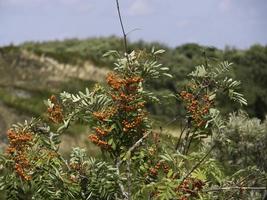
x=138 y=162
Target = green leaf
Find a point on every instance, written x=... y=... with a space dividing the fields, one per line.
x=168 y=75
x=159 y=51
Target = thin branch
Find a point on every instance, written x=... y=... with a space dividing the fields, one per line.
x=180 y=137
x=186 y=139
x=240 y=183
x=137 y=144
x=136 y=29
x=196 y=166
x=65 y=162
x=122 y=28
x=129 y=179
x=127 y=195
x=124 y=193
x=234 y=188
x=173 y=120
x=190 y=141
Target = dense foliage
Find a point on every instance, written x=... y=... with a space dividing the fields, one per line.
x=243 y=144
x=137 y=162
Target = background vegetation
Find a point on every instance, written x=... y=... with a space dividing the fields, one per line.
x=250 y=66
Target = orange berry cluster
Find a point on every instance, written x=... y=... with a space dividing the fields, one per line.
x=55 y=113
x=102 y=131
x=125 y=92
x=117 y=83
x=114 y=81
x=190 y=188
x=127 y=109
x=134 y=123
x=19 y=144
x=122 y=97
x=198 y=107
x=133 y=107
x=96 y=140
x=106 y=114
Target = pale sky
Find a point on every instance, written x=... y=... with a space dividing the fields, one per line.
x=218 y=23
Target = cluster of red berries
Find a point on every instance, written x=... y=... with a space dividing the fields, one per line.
x=114 y=81
x=125 y=92
x=117 y=83
x=101 y=131
x=96 y=138
x=127 y=108
x=19 y=144
x=99 y=142
x=190 y=188
x=133 y=107
x=153 y=171
x=134 y=123
x=106 y=114
x=198 y=107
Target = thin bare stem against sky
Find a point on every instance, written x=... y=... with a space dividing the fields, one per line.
x=239 y=23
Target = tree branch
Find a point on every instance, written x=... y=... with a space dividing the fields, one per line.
x=137 y=144
x=129 y=179
x=196 y=166
x=234 y=188
x=124 y=193
x=118 y=163
x=123 y=30
x=180 y=137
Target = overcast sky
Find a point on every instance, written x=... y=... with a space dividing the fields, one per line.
x=238 y=23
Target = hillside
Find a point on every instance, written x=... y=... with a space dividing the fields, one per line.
x=31 y=72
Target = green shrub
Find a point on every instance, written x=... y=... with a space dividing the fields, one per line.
x=137 y=163
x=243 y=144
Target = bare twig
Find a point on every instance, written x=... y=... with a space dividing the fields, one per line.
x=173 y=120
x=124 y=193
x=136 y=29
x=186 y=139
x=180 y=137
x=123 y=32
x=137 y=144
x=129 y=179
x=234 y=188
x=190 y=141
x=240 y=183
